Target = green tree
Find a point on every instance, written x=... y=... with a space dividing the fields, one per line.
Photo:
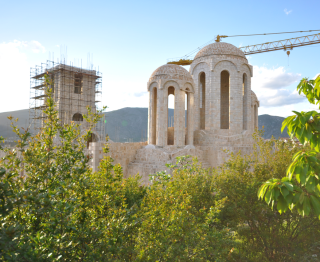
x=179 y=218
x=54 y=208
x=262 y=234
x=300 y=188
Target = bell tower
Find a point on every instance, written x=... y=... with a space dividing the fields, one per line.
x=73 y=90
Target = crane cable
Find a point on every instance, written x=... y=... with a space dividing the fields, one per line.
x=197 y=49
x=276 y=33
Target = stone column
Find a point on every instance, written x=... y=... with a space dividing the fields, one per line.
x=179 y=118
x=190 y=122
x=162 y=115
x=215 y=96
x=150 y=128
x=248 y=104
x=235 y=102
x=196 y=97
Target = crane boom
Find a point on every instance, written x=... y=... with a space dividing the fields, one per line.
x=281 y=44
x=285 y=44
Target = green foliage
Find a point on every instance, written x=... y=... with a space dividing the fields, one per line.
x=54 y=208
x=300 y=188
x=262 y=233
x=180 y=218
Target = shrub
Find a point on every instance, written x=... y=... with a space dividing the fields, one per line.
x=263 y=234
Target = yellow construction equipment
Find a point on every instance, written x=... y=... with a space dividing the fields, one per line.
x=286 y=44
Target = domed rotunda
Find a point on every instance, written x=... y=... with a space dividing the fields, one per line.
x=221 y=110
x=214 y=110
x=164 y=81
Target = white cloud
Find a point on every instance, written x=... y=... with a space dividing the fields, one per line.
x=276 y=90
x=138 y=94
x=36 y=47
x=280 y=97
x=287 y=11
x=15 y=73
x=274 y=78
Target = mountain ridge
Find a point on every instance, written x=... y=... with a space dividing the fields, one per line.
x=130 y=124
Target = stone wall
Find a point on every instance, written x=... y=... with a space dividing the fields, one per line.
x=152 y=159
x=122 y=153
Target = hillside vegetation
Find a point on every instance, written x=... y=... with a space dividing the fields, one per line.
x=54 y=208
x=131 y=124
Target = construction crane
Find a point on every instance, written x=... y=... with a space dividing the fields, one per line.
x=286 y=45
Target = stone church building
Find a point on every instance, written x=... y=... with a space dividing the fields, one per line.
x=214 y=109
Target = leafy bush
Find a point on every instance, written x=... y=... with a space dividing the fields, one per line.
x=180 y=218
x=299 y=188
x=263 y=234
x=54 y=208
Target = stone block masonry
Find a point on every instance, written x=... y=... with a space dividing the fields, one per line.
x=221 y=113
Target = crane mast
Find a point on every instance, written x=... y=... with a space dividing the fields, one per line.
x=286 y=44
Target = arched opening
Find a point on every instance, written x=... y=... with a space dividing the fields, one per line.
x=224 y=100
x=202 y=96
x=186 y=106
x=92 y=138
x=77 y=117
x=171 y=105
x=244 y=99
x=255 y=113
x=78 y=83
x=154 y=116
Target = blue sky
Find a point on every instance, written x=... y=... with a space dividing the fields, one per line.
x=128 y=40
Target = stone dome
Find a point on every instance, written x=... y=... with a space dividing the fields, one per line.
x=171 y=72
x=219 y=48
x=254 y=97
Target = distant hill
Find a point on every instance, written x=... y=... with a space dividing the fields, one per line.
x=131 y=124
x=271 y=126
x=5 y=128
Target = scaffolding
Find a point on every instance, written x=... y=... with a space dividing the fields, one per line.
x=73 y=89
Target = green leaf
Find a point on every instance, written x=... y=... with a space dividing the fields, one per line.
x=286 y=122
x=289 y=198
x=2 y=171
x=276 y=193
x=303 y=175
x=290 y=170
x=301 y=198
x=297 y=113
x=306 y=206
x=288 y=185
x=296 y=155
x=268 y=197
x=262 y=191
x=282 y=205
x=315 y=202
x=311 y=185
x=284 y=191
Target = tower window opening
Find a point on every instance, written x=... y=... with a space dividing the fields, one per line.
x=202 y=95
x=154 y=116
x=186 y=108
x=171 y=104
x=244 y=99
x=78 y=83
x=77 y=117
x=225 y=100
